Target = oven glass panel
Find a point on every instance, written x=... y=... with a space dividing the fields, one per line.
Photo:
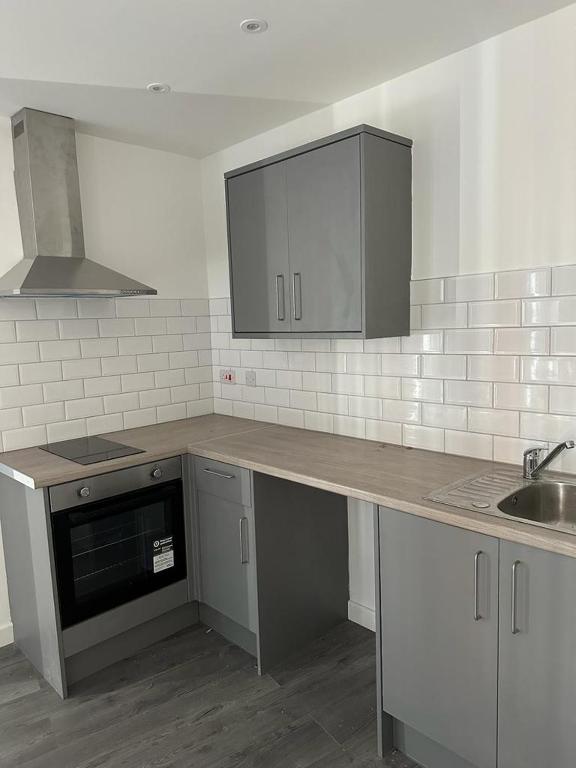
x=113 y=551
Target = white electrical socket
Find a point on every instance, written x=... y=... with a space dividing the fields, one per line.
x=228 y=375
x=250 y=378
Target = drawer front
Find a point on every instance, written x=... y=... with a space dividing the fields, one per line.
x=223 y=480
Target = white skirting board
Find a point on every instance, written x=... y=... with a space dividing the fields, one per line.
x=362 y=615
x=6 y=634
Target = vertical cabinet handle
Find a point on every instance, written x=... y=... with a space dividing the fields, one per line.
x=280 y=306
x=297 y=295
x=477 y=613
x=244 y=554
x=515 y=565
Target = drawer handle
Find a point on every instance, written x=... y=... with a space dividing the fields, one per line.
x=223 y=475
x=280 y=307
x=244 y=556
x=477 y=614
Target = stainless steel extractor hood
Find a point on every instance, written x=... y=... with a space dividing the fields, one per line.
x=48 y=195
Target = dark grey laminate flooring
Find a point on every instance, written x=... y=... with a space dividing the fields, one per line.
x=196 y=701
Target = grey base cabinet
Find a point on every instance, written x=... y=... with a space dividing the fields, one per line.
x=477 y=640
x=439 y=632
x=537 y=685
x=320 y=239
x=273 y=559
x=225 y=524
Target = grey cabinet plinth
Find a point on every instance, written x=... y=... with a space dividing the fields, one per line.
x=439 y=632
x=537 y=678
x=320 y=239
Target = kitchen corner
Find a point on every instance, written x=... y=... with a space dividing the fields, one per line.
x=287 y=385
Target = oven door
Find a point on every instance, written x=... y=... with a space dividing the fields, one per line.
x=115 y=550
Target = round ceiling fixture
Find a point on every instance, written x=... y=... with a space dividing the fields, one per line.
x=254 y=26
x=158 y=88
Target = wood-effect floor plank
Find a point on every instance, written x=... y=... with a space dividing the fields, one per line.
x=196 y=701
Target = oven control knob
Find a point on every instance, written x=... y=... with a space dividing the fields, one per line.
x=157 y=473
x=84 y=492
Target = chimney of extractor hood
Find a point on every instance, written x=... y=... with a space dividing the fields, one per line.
x=47 y=186
x=48 y=197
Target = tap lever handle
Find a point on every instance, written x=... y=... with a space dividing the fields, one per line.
x=533 y=451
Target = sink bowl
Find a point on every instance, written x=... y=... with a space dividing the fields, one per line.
x=551 y=504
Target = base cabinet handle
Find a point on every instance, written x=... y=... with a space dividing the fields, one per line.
x=244 y=553
x=514 y=601
x=477 y=559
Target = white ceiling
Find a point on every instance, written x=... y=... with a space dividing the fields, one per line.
x=92 y=60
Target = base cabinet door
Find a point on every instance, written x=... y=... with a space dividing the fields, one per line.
x=226 y=570
x=537 y=680
x=439 y=632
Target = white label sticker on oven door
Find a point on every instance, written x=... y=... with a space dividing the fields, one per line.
x=163 y=554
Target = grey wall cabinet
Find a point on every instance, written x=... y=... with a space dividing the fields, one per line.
x=226 y=541
x=259 y=231
x=320 y=239
x=537 y=679
x=439 y=632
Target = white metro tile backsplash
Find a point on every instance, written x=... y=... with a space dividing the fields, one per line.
x=489 y=369
x=70 y=367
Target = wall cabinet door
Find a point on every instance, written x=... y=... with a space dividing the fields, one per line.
x=226 y=571
x=325 y=238
x=439 y=632
x=258 y=239
x=537 y=685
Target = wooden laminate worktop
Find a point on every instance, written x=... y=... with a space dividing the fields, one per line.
x=384 y=474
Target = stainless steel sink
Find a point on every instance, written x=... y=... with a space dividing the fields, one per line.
x=551 y=504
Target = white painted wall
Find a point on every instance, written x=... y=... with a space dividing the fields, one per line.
x=142 y=213
x=494 y=130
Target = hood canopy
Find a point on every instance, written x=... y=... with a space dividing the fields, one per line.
x=48 y=196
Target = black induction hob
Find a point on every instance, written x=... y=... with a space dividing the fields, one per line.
x=90 y=450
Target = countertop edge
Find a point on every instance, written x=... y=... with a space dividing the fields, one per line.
x=478 y=522
x=20 y=477
x=212 y=447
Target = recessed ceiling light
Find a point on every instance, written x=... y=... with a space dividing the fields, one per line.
x=158 y=88
x=254 y=26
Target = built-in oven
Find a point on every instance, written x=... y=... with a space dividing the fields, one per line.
x=117 y=537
